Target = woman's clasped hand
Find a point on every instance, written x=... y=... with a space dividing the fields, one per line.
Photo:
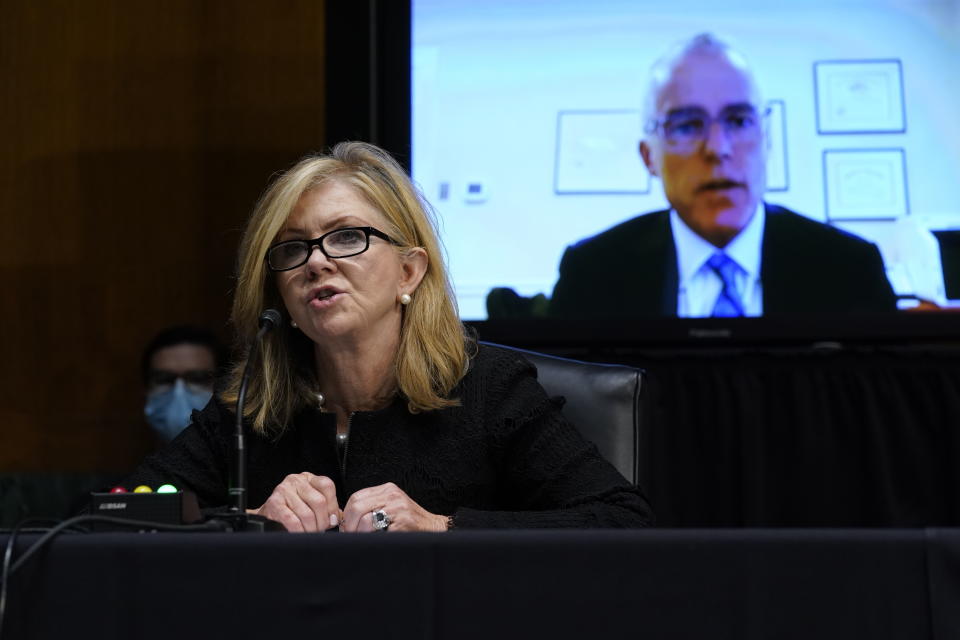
x=305 y=502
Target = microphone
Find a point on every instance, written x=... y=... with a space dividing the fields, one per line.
x=238 y=478
x=236 y=515
x=268 y=320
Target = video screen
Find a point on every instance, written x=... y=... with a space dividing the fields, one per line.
x=526 y=131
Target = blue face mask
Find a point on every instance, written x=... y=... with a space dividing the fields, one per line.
x=168 y=412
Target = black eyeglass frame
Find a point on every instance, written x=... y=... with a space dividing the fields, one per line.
x=657 y=126
x=318 y=242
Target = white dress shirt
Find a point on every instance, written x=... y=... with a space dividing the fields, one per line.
x=699 y=285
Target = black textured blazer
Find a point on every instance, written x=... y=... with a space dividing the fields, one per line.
x=506 y=457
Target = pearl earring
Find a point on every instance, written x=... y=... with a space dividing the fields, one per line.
x=293 y=323
x=405 y=298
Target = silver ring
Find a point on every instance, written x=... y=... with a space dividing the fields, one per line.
x=381 y=521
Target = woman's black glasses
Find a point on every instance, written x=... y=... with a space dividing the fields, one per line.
x=339 y=243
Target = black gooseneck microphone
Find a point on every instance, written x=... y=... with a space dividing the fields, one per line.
x=236 y=516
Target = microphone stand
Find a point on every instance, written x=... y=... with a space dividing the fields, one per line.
x=236 y=518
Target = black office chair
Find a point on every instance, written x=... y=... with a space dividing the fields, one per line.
x=603 y=402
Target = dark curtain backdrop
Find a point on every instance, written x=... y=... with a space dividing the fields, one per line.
x=803 y=437
x=860 y=437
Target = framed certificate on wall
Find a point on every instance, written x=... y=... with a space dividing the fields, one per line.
x=859 y=96
x=865 y=184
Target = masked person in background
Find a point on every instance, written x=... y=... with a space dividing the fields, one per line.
x=179 y=366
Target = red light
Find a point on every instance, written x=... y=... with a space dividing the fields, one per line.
x=118 y=490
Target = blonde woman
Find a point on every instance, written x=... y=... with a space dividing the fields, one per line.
x=371 y=408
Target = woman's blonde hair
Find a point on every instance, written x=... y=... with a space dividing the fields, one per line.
x=433 y=350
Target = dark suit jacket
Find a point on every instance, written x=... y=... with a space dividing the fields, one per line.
x=806 y=267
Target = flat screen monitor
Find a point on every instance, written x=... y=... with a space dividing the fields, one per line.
x=526 y=119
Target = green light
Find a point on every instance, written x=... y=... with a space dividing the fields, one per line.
x=166 y=488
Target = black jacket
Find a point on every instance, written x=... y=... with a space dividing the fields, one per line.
x=505 y=458
x=805 y=267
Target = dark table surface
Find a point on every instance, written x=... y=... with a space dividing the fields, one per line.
x=745 y=583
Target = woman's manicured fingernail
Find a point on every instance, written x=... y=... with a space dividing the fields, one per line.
x=334 y=520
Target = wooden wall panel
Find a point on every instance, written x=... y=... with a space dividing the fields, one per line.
x=137 y=136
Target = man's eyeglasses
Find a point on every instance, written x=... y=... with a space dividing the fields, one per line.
x=684 y=129
x=339 y=243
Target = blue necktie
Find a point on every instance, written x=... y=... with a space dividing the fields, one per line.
x=728 y=303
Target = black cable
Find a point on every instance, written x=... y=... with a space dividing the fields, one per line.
x=7 y=556
x=143 y=525
x=9 y=569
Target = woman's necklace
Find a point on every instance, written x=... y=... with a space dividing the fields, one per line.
x=341 y=437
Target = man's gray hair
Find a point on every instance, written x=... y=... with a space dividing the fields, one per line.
x=662 y=69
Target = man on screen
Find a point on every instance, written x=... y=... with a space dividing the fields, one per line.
x=719 y=250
